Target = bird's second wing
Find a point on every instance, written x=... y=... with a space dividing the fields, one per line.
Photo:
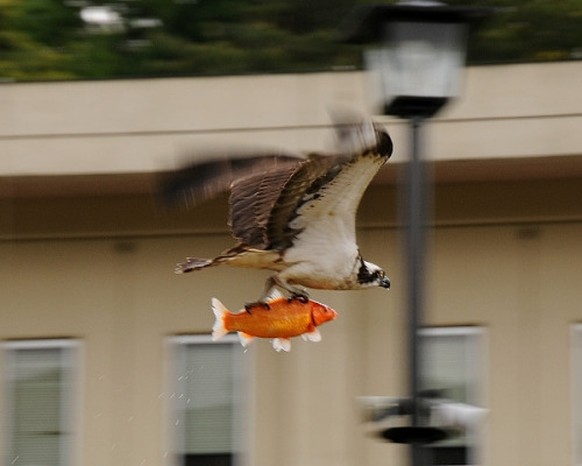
x=198 y=182
x=252 y=199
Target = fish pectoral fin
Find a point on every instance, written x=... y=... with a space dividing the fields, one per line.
x=274 y=294
x=312 y=335
x=282 y=344
x=245 y=339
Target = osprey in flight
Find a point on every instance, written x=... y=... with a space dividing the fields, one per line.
x=295 y=216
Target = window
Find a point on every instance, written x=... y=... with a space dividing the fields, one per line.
x=207 y=394
x=40 y=403
x=453 y=361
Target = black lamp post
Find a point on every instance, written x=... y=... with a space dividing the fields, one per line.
x=417 y=65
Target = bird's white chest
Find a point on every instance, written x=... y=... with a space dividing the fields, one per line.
x=324 y=255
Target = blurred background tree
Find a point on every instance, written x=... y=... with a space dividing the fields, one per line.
x=73 y=39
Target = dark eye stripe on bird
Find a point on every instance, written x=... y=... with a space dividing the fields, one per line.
x=291 y=214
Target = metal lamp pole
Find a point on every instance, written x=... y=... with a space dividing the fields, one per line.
x=417 y=60
x=415 y=211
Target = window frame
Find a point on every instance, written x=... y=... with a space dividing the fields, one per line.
x=243 y=415
x=476 y=454
x=71 y=396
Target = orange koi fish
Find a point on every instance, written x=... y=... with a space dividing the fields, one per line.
x=280 y=319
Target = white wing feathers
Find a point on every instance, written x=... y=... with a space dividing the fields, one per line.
x=327 y=222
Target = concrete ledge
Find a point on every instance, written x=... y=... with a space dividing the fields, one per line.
x=141 y=126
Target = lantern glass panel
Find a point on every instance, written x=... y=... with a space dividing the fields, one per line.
x=418 y=60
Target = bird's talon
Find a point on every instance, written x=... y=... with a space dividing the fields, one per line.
x=301 y=297
x=263 y=304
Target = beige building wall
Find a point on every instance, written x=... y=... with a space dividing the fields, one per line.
x=90 y=256
x=119 y=296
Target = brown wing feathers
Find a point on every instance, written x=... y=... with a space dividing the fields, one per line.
x=201 y=181
x=305 y=179
x=251 y=202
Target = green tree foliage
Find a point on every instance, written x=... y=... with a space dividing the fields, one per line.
x=28 y=50
x=47 y=39
x=531 y=30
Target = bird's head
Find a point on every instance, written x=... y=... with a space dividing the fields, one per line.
x=370 y=275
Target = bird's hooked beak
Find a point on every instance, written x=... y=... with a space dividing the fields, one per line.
x=385 y=283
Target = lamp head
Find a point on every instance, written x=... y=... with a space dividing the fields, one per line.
x=419 y=53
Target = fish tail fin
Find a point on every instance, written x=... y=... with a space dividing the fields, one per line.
x=282 y=344
x=245 y=339
x=218 y=329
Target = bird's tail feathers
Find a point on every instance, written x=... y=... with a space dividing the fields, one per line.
x=240 y=255
x=193 y=263
x=219 y=310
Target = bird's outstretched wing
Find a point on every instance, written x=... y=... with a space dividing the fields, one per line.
x=273 y=198
x=268 y=210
